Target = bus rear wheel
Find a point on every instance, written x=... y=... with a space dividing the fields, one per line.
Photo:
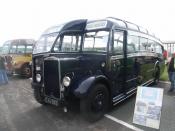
x=94 y=106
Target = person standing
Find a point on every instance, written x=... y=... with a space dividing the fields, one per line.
x=3 y=74
x=171 y=72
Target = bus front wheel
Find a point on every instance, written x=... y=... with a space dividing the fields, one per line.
x=94 y=106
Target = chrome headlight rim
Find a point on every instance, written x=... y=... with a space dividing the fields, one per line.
x=66 y=81
x=38 y=77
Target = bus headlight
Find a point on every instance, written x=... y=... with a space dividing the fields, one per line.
x=38 y=77
x=66 y=81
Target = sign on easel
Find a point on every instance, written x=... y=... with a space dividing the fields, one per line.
x=148 y=107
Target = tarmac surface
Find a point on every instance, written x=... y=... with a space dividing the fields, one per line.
x=20 y=112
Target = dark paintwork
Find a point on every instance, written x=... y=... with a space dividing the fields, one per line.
x=85 y=69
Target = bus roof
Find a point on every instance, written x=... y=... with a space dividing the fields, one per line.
x=82 y=25
x=109 y=22
x=126 y=25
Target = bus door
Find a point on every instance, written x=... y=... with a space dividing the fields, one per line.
x=133 y=63
x=147 y=68
x=117 y=63
x=132 y=72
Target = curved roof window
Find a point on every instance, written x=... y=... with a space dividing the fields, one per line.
x=132 y=26
x=53 y=29
x=143 y=29
x=119 y=23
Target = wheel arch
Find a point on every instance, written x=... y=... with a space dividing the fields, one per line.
x=156 y=73
x=104 y=81
x=87 y=84
x=156 y=64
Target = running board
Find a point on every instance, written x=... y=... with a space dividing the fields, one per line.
x=147 y=83
x=122 y=97
x=119 y=97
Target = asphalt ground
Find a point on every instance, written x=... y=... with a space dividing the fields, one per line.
x=20 y=112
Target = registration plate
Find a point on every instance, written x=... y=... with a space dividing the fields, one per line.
x=51 y=101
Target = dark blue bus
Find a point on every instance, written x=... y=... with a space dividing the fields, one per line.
x=94 y=63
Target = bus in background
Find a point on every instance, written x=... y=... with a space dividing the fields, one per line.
x=18 y=56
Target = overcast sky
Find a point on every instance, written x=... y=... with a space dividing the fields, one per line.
x=29 y=18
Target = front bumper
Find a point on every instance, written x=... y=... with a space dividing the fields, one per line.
x=50 y=99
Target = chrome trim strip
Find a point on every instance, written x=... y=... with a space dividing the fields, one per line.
x=43 y=73
x=117 y=57
x=131 y=79
x=118 y=98
x=148 y=82
x=33 y=66
x=141 y=53
x=61 y=87
x=131 y=90
x=123 y=99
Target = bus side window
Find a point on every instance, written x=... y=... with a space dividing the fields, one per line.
x=68 y=43
x=151 y=46
x=13 y=49
x=158 y=48
x=143 y=44
x=132 y=44
x=21 y=49
x=29 y=48
x=118 y=42
x=131 y=48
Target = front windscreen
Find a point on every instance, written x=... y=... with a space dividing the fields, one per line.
x=68 y=43
x=96 y=41
x=44 y=44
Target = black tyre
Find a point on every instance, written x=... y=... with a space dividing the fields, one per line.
x=27 y=71
x=39 y=95
x=157 y=75
x=94 y=106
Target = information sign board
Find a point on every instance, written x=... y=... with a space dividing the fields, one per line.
x=148 y=107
